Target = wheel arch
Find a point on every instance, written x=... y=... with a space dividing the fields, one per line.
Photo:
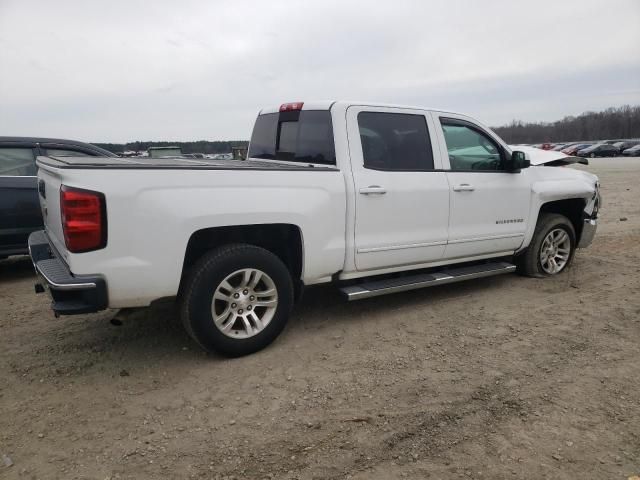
x=282 y=239
x=572 y=208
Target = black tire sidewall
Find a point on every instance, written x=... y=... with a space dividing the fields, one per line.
x=209 y=276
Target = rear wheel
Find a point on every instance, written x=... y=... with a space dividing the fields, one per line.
x=237 y=299
x=551 y=249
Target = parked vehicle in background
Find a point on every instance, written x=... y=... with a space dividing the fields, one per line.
x=632 y=152
x=622 y=146
x=374 y=199
x=19 y=206
x=573 y=149
x=560 y=146
x=160 y=152
x=599 y=150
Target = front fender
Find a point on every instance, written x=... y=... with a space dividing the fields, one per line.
x=572 y=184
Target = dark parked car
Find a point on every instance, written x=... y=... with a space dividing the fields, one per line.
x=632 y=152
x=19 y=205
x=599 y=150
x=623 y=145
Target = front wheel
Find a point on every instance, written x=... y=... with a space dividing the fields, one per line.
x=551 y=249
x=237 y=299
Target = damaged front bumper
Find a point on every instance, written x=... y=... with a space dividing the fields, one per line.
x=590 y=220
x=589 y=228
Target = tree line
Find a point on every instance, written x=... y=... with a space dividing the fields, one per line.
x=199 y=146
x=610 y=124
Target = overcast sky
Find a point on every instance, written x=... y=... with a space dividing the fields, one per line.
x=116 y=71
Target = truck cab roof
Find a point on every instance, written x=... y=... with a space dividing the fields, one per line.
x=328 y=104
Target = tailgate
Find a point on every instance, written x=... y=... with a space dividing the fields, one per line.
x=49 y=181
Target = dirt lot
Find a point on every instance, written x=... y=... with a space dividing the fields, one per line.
x=507 y=377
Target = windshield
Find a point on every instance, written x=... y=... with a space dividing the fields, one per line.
x=296 y=136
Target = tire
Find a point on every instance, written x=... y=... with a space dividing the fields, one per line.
x=530 y=262
x=254 y=315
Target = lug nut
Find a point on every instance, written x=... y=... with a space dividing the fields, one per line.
x=249 y=308
x=252 y=298
x=233 y=305
x=245 y=291
x=240 y=311
x=236 y=295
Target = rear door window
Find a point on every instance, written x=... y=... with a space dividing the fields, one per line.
x=298 y=136
x=17 y=162
x=395 y=141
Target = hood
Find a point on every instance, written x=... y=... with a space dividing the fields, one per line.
x=549 y=158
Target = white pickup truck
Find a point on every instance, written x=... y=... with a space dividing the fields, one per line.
x=372 y=198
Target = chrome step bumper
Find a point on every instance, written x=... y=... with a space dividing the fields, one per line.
x=422 y=280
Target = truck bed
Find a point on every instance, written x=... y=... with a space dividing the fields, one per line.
x=173 y=163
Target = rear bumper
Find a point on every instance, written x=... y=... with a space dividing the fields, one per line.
x=71 y=294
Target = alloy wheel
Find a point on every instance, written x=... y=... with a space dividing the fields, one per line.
x=244 y=303
x=555 y=251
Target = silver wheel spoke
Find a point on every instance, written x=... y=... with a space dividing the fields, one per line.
x=221 y=296
x=256 y=320
x=226 y=316
x=267 y=293
x=247 y=325
x=266 y=303
x=561 y=238
x=257 y=276
x=246 y=277
x=226 y=285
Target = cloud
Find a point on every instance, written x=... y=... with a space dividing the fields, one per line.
x=126 y=70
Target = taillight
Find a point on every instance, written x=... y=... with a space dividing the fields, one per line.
x=288 y=107
x=84 y=219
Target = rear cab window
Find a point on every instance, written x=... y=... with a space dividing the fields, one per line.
x=304 y=136
x=64 y=152
x=17 y=162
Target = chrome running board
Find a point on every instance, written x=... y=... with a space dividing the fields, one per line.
x=374 y=288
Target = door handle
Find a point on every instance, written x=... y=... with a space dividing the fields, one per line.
x=373 y=190
x=464 y=187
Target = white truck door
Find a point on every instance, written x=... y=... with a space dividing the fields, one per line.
x=402 y=202
x=489 y=207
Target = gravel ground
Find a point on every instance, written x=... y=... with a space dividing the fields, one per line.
x=506 y=377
